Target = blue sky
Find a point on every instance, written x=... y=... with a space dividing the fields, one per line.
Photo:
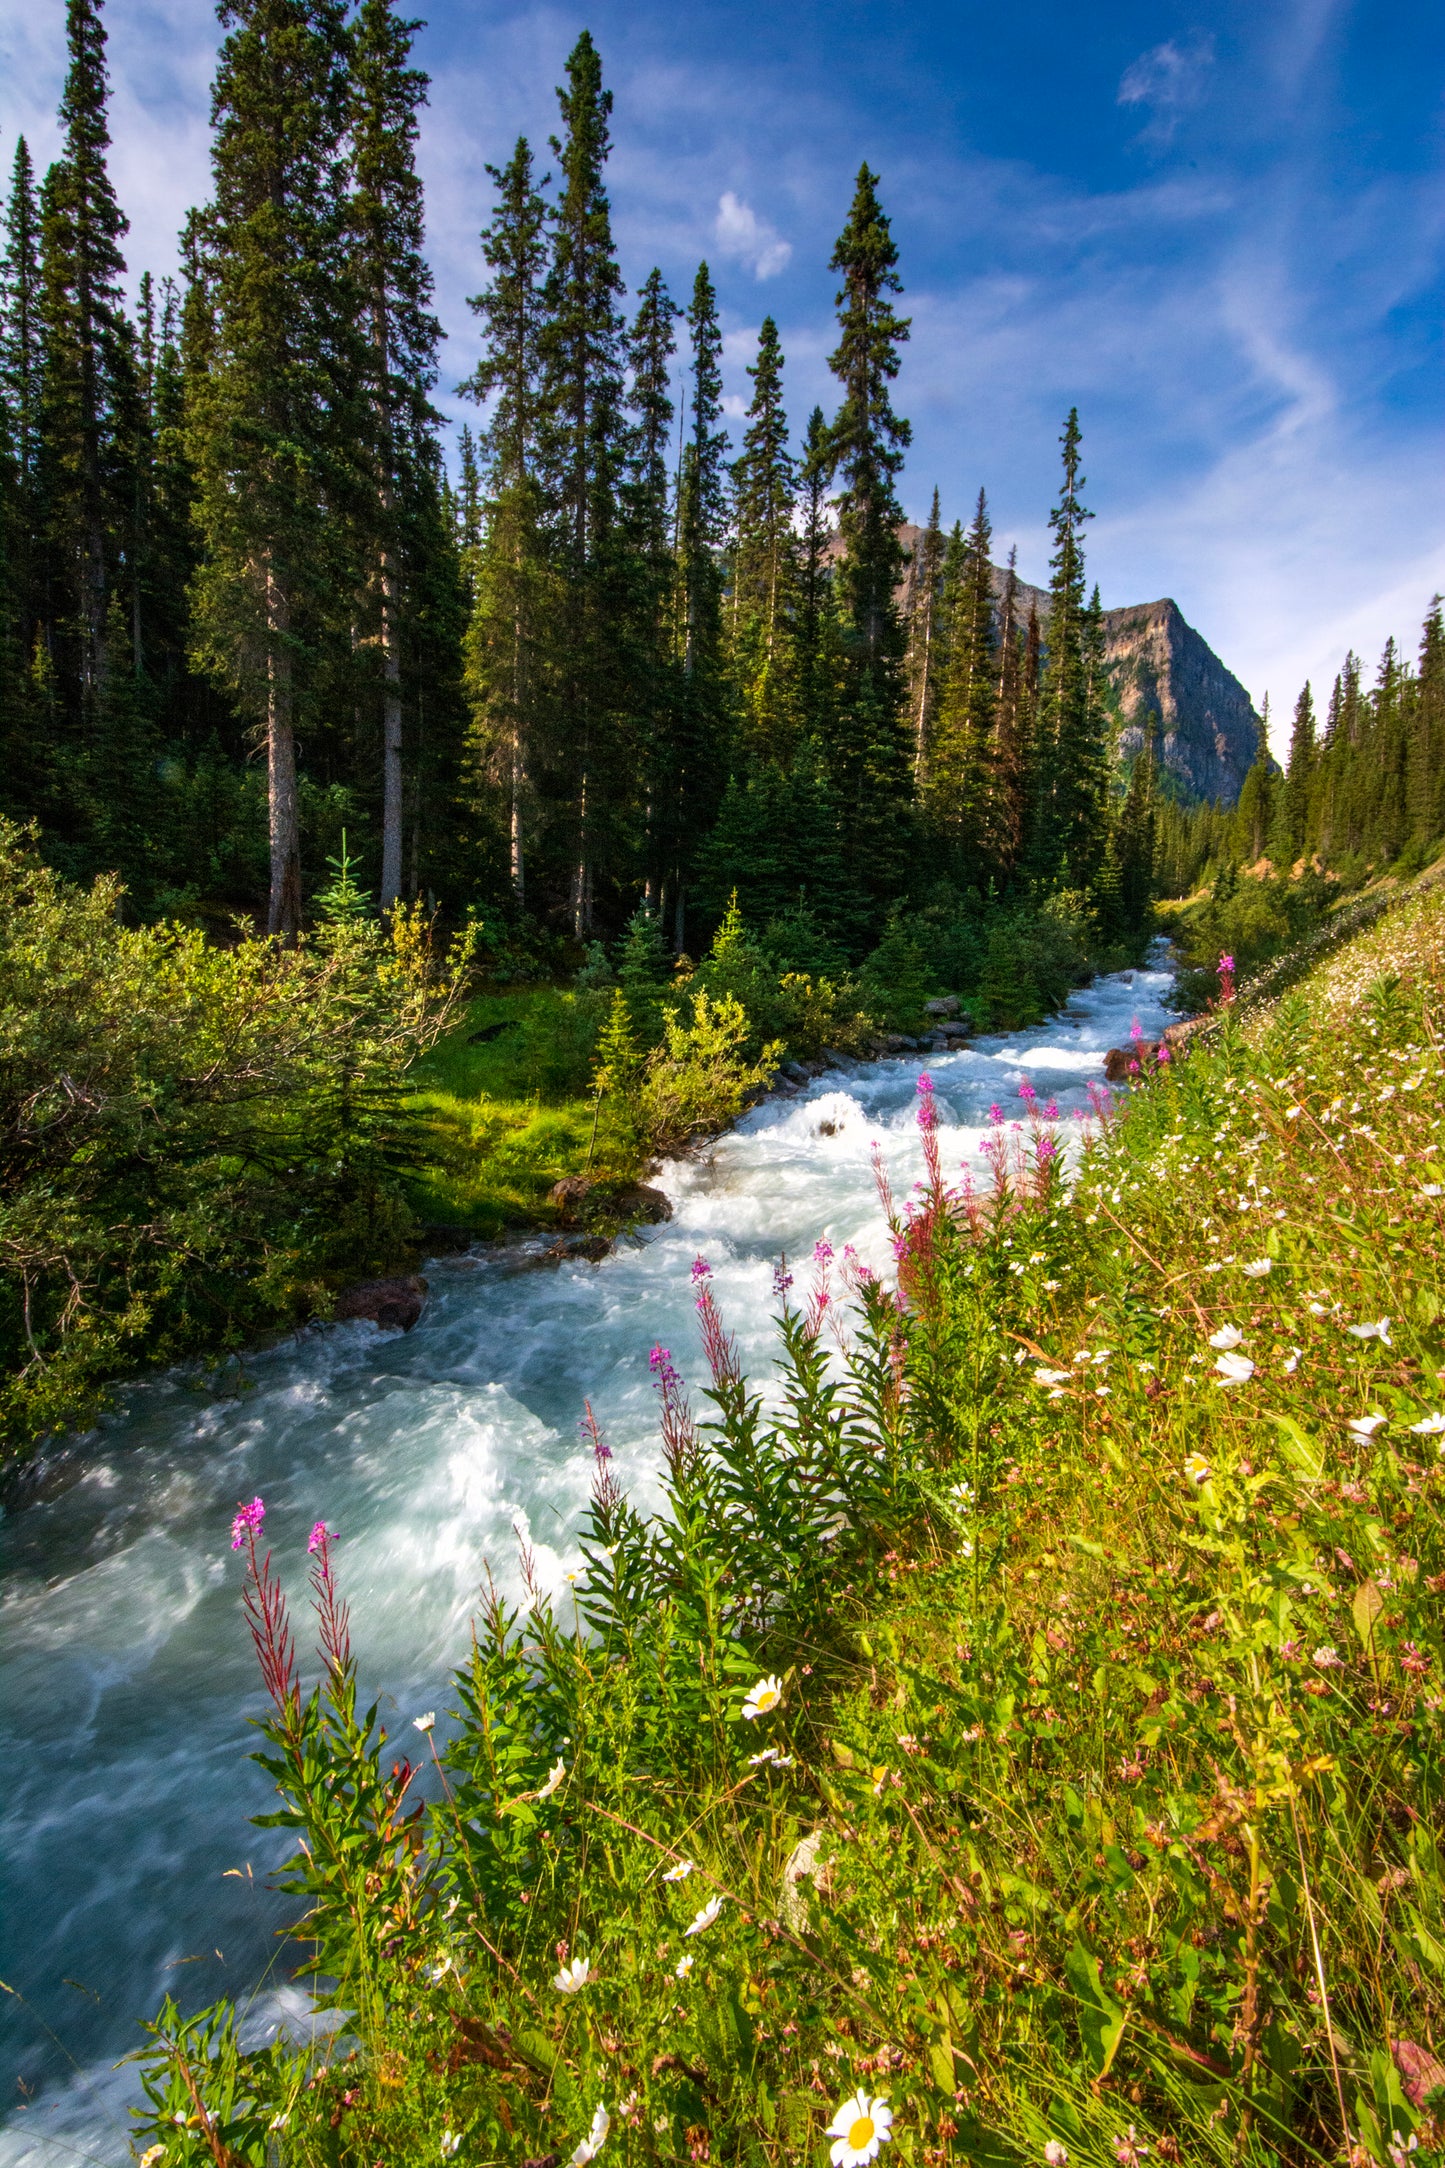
x=1217 y=228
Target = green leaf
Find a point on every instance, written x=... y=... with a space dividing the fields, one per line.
x=1101 y=2020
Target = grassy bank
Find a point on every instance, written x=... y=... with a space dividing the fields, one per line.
x=1037 y=1728
x=505 y=1110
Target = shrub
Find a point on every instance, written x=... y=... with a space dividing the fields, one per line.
x=194 y=1141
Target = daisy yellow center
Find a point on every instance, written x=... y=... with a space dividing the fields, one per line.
x=860 y=2132
x=767 y=1698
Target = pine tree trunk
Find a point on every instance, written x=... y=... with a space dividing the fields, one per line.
x=284 y=916
x=391 y=777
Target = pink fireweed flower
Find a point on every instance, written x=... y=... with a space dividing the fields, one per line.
x=822 y=1253
x=925 y=1081
x=995 y=1113
x=320 y=1536
x=1136 y=1031
x=1051 y=1111
x=1048 y=1147
x=1027 y=1092
x=664 y=1376
x=247 y=1523
x=1226 y=964
x=1133 y=1068
x=1163 y=1056
x=701 y=1270
x=782 y=1278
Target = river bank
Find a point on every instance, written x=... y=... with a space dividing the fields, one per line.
x=131 y=1676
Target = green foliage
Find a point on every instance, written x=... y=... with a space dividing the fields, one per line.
x=699 y=1079
x=1052 y=1746
x=194 y=1141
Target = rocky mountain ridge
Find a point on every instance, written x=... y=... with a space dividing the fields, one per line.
x=1158 y=666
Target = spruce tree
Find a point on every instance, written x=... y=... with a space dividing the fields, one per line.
x=1293 y=798
x=399 y=350
x=651 y=344
x=923 y=645
x=86 y=361
x=868 y=747
x=1254 y=808
x=693 y=756
x=815 y=581
x=268 y=411
x=765 y=562
x=1071 y=766
x=1427 y=747
x=584 y=445
x=1012 y=771
x=21 y=362
x=506 y=643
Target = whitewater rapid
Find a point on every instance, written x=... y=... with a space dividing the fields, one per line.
x=128 y=1868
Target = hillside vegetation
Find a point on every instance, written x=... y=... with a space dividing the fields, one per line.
x=1030 y=1737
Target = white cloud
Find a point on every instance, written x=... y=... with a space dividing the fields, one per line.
x=748 y=239
x=1167 y=80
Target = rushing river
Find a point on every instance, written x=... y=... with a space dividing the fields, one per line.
x=130 y=1868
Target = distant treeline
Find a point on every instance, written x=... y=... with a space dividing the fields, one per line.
x=1361 y=793
x=596 y=672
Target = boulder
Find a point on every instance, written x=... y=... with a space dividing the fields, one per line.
x=393 y=1305
x=1122 y=1062
x=642 y=1203
x=569 y=1195
x=945 y=1005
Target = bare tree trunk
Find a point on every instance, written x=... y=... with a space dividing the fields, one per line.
x=391 y=794
x=679 y=917
x=284 y=917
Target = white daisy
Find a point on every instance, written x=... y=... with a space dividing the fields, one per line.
x=1365 y=1426
x=595 y=2139
x=1227 y=1336
x=1234 y=1370
x=1051 y=1377
x=1260 y=1269
x=706 y=1917
x=1196 y=1467
x=424 y=1723
x=574 y=1977
x=450 y=2140
x=1431 y=1427
x=684 y=1966
x=762 y=1698
x=860 y=2127
x=1379 y=1330
x=681 y=1871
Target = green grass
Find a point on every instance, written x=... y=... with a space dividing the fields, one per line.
x=508 y=1118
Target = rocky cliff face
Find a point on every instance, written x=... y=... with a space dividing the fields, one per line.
x=1158 y=666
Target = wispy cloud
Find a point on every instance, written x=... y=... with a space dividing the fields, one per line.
x=748 y=239
x=1166 y=81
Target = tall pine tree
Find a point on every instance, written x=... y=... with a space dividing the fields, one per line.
x=867 y=748
x=506 y=642
x=584 y=449
x=396 y=504
x=269 y=411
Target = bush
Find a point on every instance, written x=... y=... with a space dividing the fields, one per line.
x=194 y=1141
x=698 y=1081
